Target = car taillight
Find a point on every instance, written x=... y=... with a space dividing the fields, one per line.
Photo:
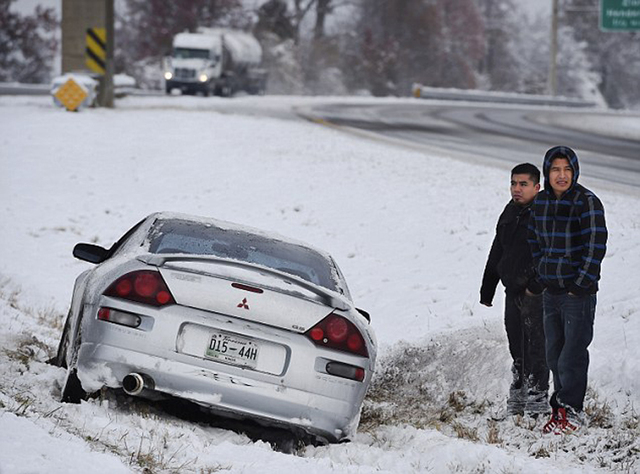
x=143 y=286
x=336 y=332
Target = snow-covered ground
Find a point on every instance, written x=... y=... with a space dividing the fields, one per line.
x=410 y=231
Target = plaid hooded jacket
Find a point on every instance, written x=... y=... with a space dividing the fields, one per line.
x=567 y=236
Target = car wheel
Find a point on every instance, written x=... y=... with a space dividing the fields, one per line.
x=72 y=392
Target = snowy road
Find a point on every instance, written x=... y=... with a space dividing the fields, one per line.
x=411 y=230
x=608 y=142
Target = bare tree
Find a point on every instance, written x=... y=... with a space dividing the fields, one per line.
x=433 y=42
x=147 y=27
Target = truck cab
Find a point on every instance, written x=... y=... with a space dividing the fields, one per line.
x=195 y=64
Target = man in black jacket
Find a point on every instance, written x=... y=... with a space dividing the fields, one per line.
x=510 y=261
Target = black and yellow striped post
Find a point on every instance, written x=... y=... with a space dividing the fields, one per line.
x=96 y=52
x=87 y=43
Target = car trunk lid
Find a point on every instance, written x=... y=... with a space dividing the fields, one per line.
x=245 y=291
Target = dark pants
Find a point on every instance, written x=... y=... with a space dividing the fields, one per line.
x=568 y=325
x=523 y=320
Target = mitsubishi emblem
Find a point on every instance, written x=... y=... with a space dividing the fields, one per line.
x=243 y=304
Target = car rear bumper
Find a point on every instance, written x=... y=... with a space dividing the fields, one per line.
x=236 y=394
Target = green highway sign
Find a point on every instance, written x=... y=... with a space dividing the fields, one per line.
x=620 y=15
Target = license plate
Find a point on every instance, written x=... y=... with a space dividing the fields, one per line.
x=233 y=350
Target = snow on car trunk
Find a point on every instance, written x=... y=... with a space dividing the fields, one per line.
x=251 y=294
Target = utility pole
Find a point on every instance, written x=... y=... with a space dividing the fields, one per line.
x=107 y=79
x=553 y=60
x=78 y=17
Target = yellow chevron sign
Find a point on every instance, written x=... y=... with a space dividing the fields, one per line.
x=96 y=50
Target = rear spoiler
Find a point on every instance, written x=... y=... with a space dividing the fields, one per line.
x=326 y=297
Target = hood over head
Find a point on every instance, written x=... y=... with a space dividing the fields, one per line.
x=564 y=152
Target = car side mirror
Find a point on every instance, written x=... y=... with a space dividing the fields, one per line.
x=364 y=313
x=90 y=253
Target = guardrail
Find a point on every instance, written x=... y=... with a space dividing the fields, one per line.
x=15 y=88
x=418 y=90
x=437 y=93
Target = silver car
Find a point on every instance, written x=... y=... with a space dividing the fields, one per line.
x=246 y=323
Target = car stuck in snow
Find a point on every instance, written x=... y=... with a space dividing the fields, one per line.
x=248 y=324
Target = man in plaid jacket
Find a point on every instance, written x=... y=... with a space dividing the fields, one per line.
x=568 y=237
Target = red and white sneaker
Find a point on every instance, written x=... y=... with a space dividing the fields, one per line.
x=569 y=421
x=553 y=422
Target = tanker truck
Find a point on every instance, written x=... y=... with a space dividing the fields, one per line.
x=216 y=61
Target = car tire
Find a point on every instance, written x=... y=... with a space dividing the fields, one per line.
x=60 y=359
x=72 y=391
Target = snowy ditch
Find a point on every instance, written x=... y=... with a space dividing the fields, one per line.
x=411 y=233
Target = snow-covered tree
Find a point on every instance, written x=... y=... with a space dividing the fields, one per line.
x=500 y=65
x=27 y=44
x=530 y=57
x=576 y=75
x=614 y=55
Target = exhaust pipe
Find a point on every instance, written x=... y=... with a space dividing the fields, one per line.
x=135 y=384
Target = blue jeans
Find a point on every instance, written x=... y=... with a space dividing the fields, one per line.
x=568 y=327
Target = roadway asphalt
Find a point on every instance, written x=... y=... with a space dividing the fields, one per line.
x=496 y=132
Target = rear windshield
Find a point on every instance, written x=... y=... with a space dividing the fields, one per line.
x=179 y=236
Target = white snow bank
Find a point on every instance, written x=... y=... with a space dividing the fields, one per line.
x=28 y=448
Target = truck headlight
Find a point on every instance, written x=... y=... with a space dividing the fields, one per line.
x=203 y=78
x=168 y=75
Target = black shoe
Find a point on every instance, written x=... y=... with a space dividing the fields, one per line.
x=517 y=401
x=537 y=403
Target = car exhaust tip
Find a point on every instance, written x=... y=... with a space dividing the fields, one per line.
x=135 y=384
